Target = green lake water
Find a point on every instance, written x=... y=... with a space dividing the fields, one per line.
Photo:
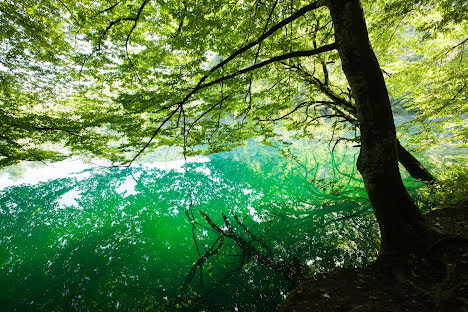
x=109 y=239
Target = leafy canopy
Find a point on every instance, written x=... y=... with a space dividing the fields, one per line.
x=116 y=78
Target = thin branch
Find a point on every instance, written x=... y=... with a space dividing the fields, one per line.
x=206 y=112
x=325 y=48
x=154 y=135
x=107 y=9
x=140 y=10
x=228 y=274
x=267 y=34
x=212 y=224
x=108 y=28
x=71 y=132
x=112 y=24
x=302 y=104
x=461 y=43
x=324 y=88
x=386 y=73
x=278 y=58
x=452 y=99
x=249 y=93
x=295 y=109
x=22 y=148
x=253 y=236
x=69 y=11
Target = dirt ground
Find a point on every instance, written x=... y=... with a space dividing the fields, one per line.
x=428 y=285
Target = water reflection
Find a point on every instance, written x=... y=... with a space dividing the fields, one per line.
x=127 y=239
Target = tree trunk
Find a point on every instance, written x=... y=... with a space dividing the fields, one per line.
x=413 y=166
x=401 y=225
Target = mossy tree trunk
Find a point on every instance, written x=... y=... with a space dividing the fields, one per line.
x=401 y=225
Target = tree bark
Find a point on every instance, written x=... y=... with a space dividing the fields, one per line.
x=413 y=166
x=402 y=228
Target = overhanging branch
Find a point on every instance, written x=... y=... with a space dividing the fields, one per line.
x=278 y=58
x=325 y=48
x=267 y=34
x=246 y=47
x=201 y=85
x=154 y=134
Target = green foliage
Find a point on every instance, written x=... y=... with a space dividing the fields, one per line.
x=421 y=46
x=137 y=63
x=43 y=113
x=451 y=189
x=118 y=78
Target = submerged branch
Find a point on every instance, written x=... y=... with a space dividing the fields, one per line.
x=292 y=269
x=214 y=249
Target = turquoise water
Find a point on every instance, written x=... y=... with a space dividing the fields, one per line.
x=110 y=239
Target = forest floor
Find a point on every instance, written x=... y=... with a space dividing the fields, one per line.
x=428 y=285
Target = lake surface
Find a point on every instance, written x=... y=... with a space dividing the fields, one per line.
x=76 y=237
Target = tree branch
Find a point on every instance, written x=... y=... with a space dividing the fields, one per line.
x=278 y=58
x=200 y=85
x=135 y=22
x=325 y=48
x=34 y=156
x=265 y=35
x=154 y=134
x=206 y=112
x=107 y=9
